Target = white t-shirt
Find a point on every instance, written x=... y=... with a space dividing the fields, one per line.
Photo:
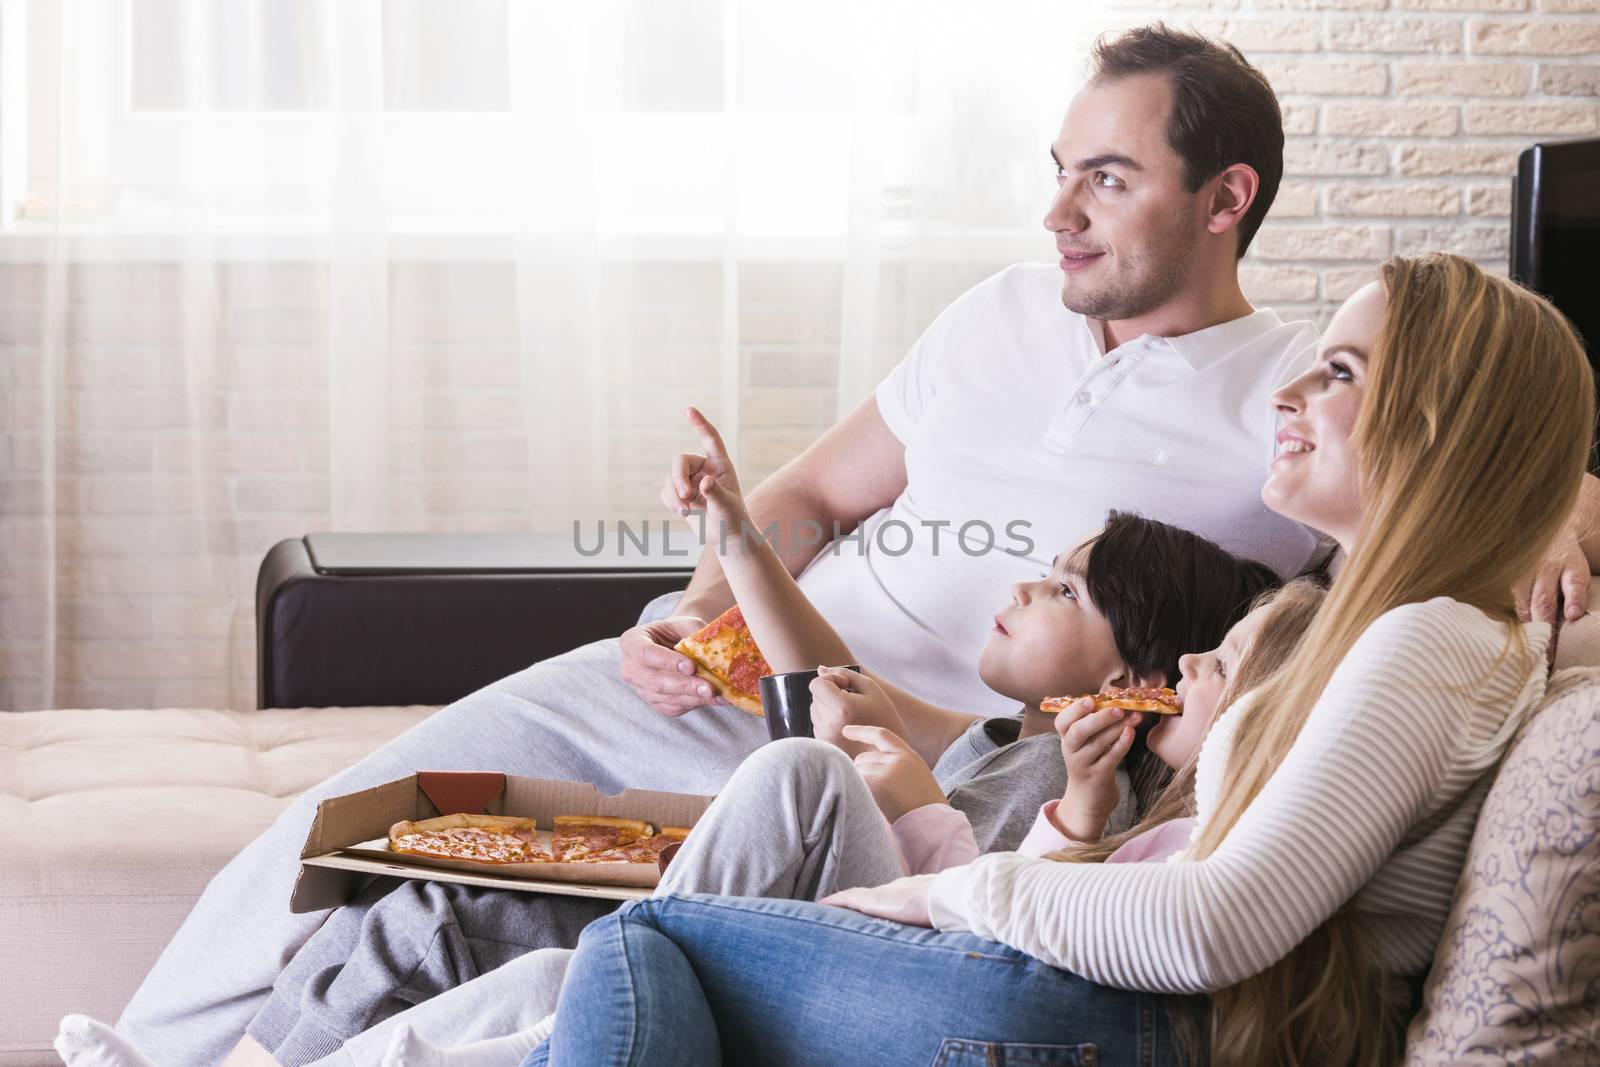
x=1020 y=431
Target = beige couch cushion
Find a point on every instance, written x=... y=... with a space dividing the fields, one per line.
x=92 y=882
x=1516 y=978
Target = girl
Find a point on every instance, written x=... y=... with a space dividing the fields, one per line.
x=1440 y=439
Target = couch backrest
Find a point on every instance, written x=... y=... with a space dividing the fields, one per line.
x=1516 y=978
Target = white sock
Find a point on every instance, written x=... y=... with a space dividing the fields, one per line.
x=409 y=1049
x=86 y=1042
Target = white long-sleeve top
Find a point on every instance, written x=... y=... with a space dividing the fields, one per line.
x=1375 y=801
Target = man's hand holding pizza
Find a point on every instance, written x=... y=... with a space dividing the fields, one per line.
x=663 y=678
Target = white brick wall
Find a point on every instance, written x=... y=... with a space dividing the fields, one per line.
x=1408 y=118
x=176 y=468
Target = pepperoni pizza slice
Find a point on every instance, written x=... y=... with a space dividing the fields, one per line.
x=725 y=655
x=1162 y=701
x=578 y=837
x=644 y=850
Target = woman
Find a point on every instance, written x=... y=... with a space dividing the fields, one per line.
x=1440 y=439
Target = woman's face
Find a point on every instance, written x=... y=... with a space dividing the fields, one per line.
x=1313 y=478
x=1203 y=678
x=1050 y=640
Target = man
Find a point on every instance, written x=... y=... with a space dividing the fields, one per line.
x=1133 y=375
x=1150 y=220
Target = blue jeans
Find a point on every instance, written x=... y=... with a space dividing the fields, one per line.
x=701 y=980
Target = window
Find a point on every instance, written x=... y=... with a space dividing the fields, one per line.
x=629 y=120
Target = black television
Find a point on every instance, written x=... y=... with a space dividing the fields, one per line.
x=1555 y=232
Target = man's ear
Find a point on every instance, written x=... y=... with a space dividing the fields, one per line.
x=1235 y=191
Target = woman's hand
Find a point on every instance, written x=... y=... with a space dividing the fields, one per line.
x=904 y=900
x=707 y=482
x=1564 y=570
x=841 y=697
x=1093 y=744
x=899 y=780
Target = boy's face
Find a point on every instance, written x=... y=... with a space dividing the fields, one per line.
x=1050 y=640
x=1204 y=678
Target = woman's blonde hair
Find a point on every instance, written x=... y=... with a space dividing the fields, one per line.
x=1473 y=432
x=1288 y=613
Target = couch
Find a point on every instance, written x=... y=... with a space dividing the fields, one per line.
x=88 y=895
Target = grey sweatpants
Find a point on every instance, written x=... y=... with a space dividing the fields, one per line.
x=570 y=717
x=795 y=821
x=503 y=1007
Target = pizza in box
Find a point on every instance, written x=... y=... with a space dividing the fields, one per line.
x=502 y=841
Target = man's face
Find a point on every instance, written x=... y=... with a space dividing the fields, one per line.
x=1127 y=231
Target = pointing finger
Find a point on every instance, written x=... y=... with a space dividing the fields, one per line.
x=709 y=436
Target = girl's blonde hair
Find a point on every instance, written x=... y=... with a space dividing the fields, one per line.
x=1473 y=432
x=1288 y=613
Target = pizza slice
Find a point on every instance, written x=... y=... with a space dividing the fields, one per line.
x=644 y=850
x=476 y=838
x=579 y=836
x=1162 y=701
x=725 y=655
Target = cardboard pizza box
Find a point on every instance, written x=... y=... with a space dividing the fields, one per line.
x=348 y=842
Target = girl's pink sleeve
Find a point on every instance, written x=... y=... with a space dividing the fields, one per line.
x=1045 y=836
x=933 y=838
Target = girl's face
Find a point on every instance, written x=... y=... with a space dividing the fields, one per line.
x=1050 y=640
x=1204 y=677
x=1313 y=478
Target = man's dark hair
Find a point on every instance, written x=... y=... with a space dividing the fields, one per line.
x=1223 y=110
x=1166 y=592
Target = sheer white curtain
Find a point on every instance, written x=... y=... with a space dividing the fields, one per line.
x=276 y=266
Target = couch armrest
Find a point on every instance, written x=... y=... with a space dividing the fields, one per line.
x=346 y=620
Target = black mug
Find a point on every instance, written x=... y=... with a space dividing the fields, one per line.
x=786 y=700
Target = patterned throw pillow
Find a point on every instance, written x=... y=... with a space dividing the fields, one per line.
x=1516 y=979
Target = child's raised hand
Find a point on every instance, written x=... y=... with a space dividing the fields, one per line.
x=841 y=697
x=707 y=482
x=1093 y=744
x=899 y=780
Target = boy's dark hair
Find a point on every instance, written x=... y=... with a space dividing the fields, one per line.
x=1223 y=110
x=1165 y=591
